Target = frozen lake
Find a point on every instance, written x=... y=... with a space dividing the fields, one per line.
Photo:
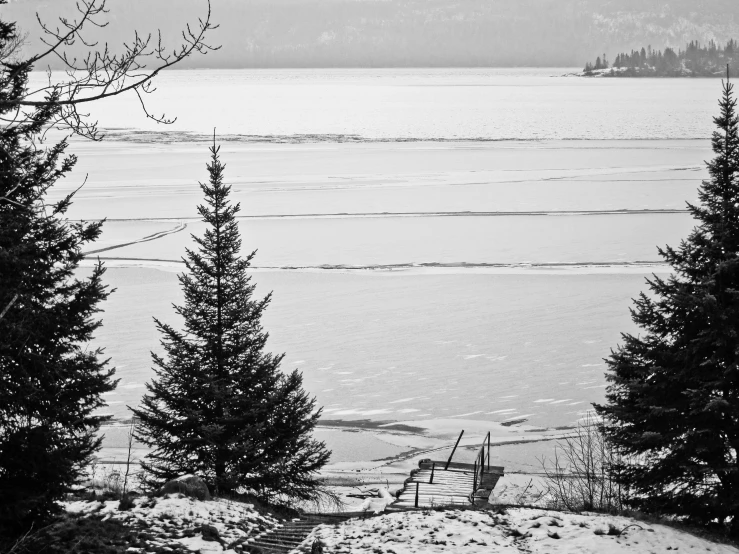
x=481 y=270
x=430 y=104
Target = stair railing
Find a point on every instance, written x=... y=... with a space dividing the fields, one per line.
x=481 y=465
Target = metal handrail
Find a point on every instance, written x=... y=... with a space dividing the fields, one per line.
x=479 y=466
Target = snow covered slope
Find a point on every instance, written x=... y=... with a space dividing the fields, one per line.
x=515 y=531
x=174 y=521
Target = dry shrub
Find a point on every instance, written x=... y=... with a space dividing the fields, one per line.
x=581 y=474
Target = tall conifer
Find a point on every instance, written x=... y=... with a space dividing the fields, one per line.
x=50 y=382
x=673 y=399
x=219 y=406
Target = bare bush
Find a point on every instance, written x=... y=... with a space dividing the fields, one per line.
x=581 y=474
x=131 y=439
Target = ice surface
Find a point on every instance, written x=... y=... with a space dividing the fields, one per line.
x=463 y=300
x=405 y=337
x=526 y=104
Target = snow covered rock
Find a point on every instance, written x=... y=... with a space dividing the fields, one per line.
x=189 y=485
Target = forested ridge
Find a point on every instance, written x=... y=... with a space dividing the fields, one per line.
x=415 y=33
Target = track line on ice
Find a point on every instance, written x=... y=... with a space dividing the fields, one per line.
x=349 y=215
x=180 y=227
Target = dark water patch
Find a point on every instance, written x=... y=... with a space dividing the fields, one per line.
x=514 y=422
x=369 y=424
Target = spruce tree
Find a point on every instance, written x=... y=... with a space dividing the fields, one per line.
x=673 y=401
x=50 y=383
x=219 y=407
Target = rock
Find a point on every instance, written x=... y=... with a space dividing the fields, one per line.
x=189 y=485
x=495 y=500
x=210 y=533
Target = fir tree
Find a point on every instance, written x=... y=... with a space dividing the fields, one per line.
x=219 y=406
x=673 y=400
x=50 y=383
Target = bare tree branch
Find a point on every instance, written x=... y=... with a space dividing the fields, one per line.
x=100 y=74
x=9 y=305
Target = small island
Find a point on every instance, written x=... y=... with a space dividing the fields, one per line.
x=694 y=61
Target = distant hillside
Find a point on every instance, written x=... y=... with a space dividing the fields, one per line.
x=371 y=33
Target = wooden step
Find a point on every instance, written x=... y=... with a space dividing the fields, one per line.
x=457 y=466
x=426 y=487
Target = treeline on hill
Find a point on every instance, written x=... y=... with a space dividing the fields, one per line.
x=409 y=33
x=695 y=60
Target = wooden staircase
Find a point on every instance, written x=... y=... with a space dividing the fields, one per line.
x=449 y=487
x=433 y=484
x=289 y=538
x=438 y=483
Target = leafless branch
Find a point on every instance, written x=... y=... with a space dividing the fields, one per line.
x=580 y=475
x=100 y=74
x=9 y=305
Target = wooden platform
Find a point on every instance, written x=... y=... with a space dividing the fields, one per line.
x=450 y=487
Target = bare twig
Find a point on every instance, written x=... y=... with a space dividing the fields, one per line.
x=580 y=475
x=100 y=74
x=9 y=305
x=131 y=435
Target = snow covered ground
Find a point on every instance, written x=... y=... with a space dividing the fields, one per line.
x=177 y=521
x=179 y=524
x=514 y=531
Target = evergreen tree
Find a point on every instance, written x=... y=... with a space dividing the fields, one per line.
x=219 y=407
x=50 y=384
x=673 y=400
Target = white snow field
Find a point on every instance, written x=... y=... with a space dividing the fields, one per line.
x=517 y=530
x=176 y=520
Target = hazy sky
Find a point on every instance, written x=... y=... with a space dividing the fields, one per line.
x=388 y=33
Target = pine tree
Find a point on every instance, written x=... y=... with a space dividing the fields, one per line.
x=219 y=406
x=673 y=400
x=50 y=383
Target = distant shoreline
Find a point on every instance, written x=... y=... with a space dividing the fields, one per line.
x=630 y=73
